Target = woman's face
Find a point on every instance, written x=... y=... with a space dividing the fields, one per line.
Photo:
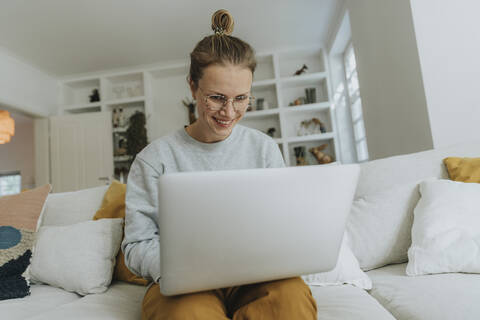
x=230 y=81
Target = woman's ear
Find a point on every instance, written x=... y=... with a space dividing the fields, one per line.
x=193 y=88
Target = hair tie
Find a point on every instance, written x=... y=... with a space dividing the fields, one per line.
x=219 y=31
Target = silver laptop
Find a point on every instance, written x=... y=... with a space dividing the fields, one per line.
x=228 y=228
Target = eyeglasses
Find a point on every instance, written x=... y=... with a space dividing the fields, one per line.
x=216 y=102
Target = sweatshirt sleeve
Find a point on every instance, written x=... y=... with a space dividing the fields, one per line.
x=141 y=245
x=274 y=158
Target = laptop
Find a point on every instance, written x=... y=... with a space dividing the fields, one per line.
x=228 y=228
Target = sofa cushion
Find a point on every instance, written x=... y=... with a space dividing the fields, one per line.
x=79 y=257
x=113 y=206
x=446 y=229
x=386 y=173
x=347 y=303
x=347 y=271
x=122 y=301
x=379 y=226
x=439 y=296
x=72 y=207
x=19 y=216
x=42 y=299
x=463 y=169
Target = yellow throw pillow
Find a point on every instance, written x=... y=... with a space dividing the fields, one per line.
x=463 y=169
x=113 y=206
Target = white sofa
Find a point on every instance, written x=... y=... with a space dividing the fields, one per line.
x=394 y=294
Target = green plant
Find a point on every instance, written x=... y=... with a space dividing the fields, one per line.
x=136 y=134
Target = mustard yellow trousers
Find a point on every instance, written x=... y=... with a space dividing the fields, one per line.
x=282 y=299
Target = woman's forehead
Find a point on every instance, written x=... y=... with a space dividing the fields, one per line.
x=226 y=79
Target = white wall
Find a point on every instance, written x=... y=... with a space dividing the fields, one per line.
x=18 y=154
x=448 y=37
x=42 y=151
x=391 y=86
x=25 y=88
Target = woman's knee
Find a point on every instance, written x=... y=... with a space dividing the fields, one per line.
x=202 y=305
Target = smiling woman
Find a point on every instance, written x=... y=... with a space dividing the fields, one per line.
x=220 y=80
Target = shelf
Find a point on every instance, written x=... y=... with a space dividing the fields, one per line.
x=125 y=100
x=263 y=83
x=261 y=113
x=77 y=92
x=312 y=137
x=82 y=108
x=119 y=130
x=321 y=106
x=122 y=158
x=305 y=78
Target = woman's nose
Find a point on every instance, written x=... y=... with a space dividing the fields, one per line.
x=228 y=110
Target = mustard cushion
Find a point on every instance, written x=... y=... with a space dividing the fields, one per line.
x=463 y=169
x=113 y=206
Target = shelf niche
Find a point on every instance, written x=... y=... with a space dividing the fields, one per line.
x=309 y=157
x=123 y=86
x=291 y=61
x=76 y=93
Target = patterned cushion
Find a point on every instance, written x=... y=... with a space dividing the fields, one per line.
x=15 y=254
x=19 y=215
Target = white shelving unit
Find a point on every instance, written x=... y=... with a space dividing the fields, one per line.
x=276 y=83
x=124 y=91
x=159 y=91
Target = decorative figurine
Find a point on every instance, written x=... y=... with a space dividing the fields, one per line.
x=121 y=118
x=303 y=69
x=300 y=155
x=271 y=132
x=122 y=147
x=95 y=96
x=319 y=126
x=321 y=157
x=115 y=118
x=260 y=102
x=311 y=94
x=312 y=126
x=191 y=110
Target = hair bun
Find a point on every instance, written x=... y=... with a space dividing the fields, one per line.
x=222 y=22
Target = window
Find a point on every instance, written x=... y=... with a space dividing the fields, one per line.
x=10 y=183
x=353 y=94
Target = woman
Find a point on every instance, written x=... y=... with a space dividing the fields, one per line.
x=220 y=80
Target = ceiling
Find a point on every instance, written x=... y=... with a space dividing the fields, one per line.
x=65 y=37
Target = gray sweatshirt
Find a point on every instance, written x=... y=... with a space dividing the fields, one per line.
x=245 y=148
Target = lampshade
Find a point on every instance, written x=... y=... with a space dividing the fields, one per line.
x=7 y=127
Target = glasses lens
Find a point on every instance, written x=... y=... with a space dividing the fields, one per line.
x=217 y=102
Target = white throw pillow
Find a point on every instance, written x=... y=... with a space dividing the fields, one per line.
x=446 y=229
x=379 y=226
x=79 y=257
x=347 y=271
x=66 y=208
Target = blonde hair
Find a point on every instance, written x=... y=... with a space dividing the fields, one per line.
x=220 y=48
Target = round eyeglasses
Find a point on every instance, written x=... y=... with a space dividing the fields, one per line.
x=216 y=102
